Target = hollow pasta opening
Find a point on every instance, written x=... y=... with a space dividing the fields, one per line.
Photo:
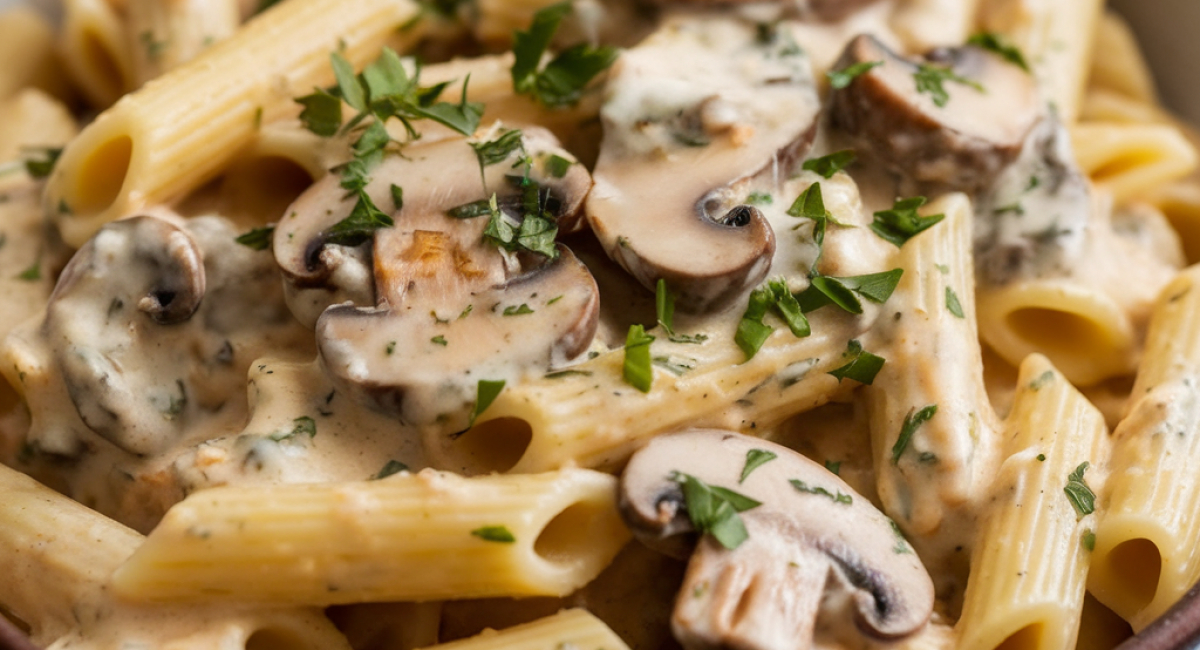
x=1136 y=566
x=569 y=534
x=102 y=175
x=1026 y=638
x=262 y=188
x=1100 y=628
x=493 y=446
x=104 y=70
x=1058 y=332
x=275 y=639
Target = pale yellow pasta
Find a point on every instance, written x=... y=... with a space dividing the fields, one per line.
x=165 y=34
x=57 y=556
x=1117 y=63
x=1180 y=203
x=1056 y=37
x=94 y=50
x=171 y=136
x=570 y=628
x=1084 y=331
x=926 y=24
x=29 y=120
x=935 y=360
x=264 y=178
x=29 y=53
x=1030 y=563
x=1107 y=106
x=1131 y=160
x=1145 y=541
x=421 y=536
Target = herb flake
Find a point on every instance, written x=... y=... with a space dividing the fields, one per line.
x=714 y=510
x=912 y=422
x=863 y=365
x=637 y=370
x=499 y=534
x=755 y=458
x=1079 y=494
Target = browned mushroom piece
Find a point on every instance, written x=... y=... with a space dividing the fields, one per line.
x=813 y=544
x=447 y=306
x=131 y=278
x=701 y=105
x=958 y=132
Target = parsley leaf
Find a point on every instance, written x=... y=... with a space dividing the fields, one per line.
x=952 y=303
x=495 y=534
x=515 y=310
x=774 y=296
x=844 y=292
x=912 y=422
x=1088 y=539
x=902 y=222
x=636 y=370
x=557 y=166
x=842 y=78
x=930 y=79
x=562 y=80
x=361 y=225
x=40 y=167
x=33 y=273
x=1000 y=46
x=835 y=467
x=258 y=239
x=863 y=366
x=829 y=165
x=496 y=151
x=840 y=497
x=392 y=467
x=1079 y=494
x=664 y=305
x=322 y=113
x=485 y=393
x=714 y=510
x=302 y=425
x=756 y=458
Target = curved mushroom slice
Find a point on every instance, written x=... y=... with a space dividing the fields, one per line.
x=811 y=536
x=956 y=118
x=453 y=299
x=131 y=277
x=697 y=107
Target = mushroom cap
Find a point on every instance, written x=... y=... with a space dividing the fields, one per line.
x=133 y=275
x=699 y=106
x=961 y=145
x=802 y=543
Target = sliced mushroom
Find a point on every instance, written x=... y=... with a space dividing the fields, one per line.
x=699 y=106
x=448 y=307
x=132 y=277
x=813 y=544
x=963 y=143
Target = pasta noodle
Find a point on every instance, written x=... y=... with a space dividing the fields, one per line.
x=359 y=325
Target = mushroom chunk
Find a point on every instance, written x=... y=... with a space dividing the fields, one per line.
x=131 y=278
x=812 y=544
x=696 y=108
x=453 y=304
x=956 y=118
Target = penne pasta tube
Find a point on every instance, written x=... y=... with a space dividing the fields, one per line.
x=29 y=53
x=94 y=52
x=1132 y=159
x=569 y=628
x=1030 y=563
x=173 y=135
x=1117 y=61
x=165 y=34
x=932 y=428
x=1145 y=541
x=418 y=536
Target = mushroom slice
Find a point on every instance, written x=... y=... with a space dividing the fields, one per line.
x=450 y=307
x=960 y=139
x=131 y=278
x=813 y=544
x=699 y=106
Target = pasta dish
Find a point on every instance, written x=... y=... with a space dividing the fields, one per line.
x=597 y=324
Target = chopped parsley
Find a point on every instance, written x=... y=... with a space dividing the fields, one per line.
x=361 y=225
x=499 y=534
x=952 y=303
x=1088 y=539
x=485 y=393
x=1079 y=494
x=496 y=151
x=664 y=305
x=636 y=370
x=1041 y=458
x=863 y=365
x=756 y=458
x=774 y=296
x=258 y=239
x=1000 y=46
x=390 y=468
x=534 y=232
x=557 y=166
x=829 y=165
x=714 y=510
x=931 y=80
x=842 y=78
x=302 y=425
x=33 y=273
x=840 y=497
x=760 y=198
x=517 y=310
x=390 y=348
x=40 y=161
x=844 y=292
x=912 y=422
x=835 y=467
x=439 y=340
x=902 y=223
x=674 y=365
x=1041 y=380
x=561 y=81
x=902 y=547
x=397 y=198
